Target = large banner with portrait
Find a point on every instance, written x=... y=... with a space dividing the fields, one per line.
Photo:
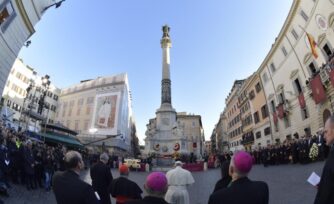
x=105 y=113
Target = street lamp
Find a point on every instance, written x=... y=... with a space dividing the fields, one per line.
x=57 y=5
x=41 y=103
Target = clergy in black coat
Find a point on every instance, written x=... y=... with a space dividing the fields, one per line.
x=101 y=178
x=226 y=178
x=242 y=190
x=325 y=193
x=67 y=186
x=123 y=189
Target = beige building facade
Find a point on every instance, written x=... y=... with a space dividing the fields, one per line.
x=100 y=111
x=234 y=127
x=292 y=90
x=290 y=71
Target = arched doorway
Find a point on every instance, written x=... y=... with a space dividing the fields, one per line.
x=326 y=115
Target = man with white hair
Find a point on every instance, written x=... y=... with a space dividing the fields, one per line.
x=241 y=190
x=325 y=193
x=178 y=180
x=68 y=187
x=101 y=178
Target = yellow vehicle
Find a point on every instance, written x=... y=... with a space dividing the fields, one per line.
x=134 y=163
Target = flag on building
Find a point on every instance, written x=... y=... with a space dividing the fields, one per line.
x=313 y=45
x=318 y=90
x=301 y=100
x=275 y=117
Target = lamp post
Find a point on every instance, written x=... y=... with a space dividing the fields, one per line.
x=57 y=5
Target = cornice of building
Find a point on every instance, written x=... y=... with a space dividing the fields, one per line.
x=286 y=26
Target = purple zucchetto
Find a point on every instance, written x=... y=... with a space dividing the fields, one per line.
x=243 y=162
x=157 y=181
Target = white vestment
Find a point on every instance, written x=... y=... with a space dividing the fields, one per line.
x=178 y=180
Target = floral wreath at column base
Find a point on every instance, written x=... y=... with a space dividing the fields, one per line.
x=177 y=147
x=156 y=147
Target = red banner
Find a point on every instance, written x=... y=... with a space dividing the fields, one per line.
x=331 y=76
x=301 y=100
x=318 y=90
x=280 y=110
x=275 y=117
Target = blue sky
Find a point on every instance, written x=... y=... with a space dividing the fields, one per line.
x=214 y=43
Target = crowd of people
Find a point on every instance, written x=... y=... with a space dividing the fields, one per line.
x=27 y=162
x=291 y=151
x=38 y=165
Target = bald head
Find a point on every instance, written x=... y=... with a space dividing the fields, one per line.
x=73 y=160
x=329 y=131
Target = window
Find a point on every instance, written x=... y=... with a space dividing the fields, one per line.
x=251 y=95
x=80 y=102
x=294 y=34
x=90 y=100
x=267 y=131
x=312 y=69
x=286 y=122
x=264 y=111
x=7 y=14
x=256 y=117
x=304 y=113
x=258 y=135
x=55 y=97
x=87 y=110
x=76 y=127
x=265 y=77
x=71 y=104
x=281 y=98
x=303 y=14
x=78 y=111
x=86 y=124
x=258 y=87
x=285 y=53
x=327 y=50
x=298 y=86
x=272 y=68
x=70 y=112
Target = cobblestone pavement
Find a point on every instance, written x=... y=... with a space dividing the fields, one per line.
x=287 y=185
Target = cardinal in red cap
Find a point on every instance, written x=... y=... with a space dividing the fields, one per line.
x=123 y=189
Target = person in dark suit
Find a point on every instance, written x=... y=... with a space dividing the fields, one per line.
x=123 y=189
x=101 y=178
x=242 y=190
x=156 y=186
x=325 y=194
x=67 y=186
x=226 y=178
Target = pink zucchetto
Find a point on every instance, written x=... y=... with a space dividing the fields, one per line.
x=243 y=161
x=157 y=181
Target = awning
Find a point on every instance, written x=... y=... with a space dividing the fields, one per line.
x=59 y=138
x=58 y=127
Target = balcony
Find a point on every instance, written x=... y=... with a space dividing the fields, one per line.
x=247 y=138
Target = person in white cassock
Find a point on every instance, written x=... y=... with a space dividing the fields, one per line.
x=178 y=180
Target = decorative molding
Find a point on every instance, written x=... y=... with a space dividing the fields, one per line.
x=271 y=96
x=293 y=73
x=25 y=17
x=307 y=58
x=280 y=87
x=321 y=38
x=331 y=20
